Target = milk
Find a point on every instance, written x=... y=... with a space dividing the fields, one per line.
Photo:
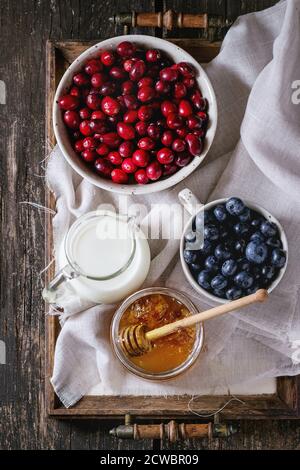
x=109 y=250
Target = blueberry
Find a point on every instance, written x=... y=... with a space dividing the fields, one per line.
x=256 y=272
x=190 y=236
x=245 y=215
x=204 y=279
x=243 y=264
x=241 y=229
x=256 y=252
x=190 y=256
x=219 y=293
x=257 y=236
x=278 y=258
x=211 y=263
x=243 y=279
x=240 y=245
x=211 y=232
x=222 y=251
x=274 y=242
x=223 y=232
x=218 y=282
x=255 y=223
x=269 y=229
x=233 y=293
x=235 y=206
x=206 y=248
x=229 y=267
x=196 y=267
x=268 y=272
x=252 y=289
x=220 y=212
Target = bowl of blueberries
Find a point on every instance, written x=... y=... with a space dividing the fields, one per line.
x=231 y=247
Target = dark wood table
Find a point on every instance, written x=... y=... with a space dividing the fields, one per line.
x=25 y=27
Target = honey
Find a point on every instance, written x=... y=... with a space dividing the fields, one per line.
x=153 y=311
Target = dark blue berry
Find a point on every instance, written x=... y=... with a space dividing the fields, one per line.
x=239 y=246
x=234 y=293
x=220 y=212
x=269 y=229
x=241 y=229
x=219 y=293
x=211 y=263
x=245 y=215
x=206 y=248
x=229 y=267
x=235 y=206
x=196 y=267
x=211 y=232
x=223 y=232
x=222 y=251
x=204 y=278
x=243 y=264
x=257 y=236
x=256 y=252
x=268 y=272
x=274 y=242
x=278 y=258
x=190 y=256
x=252 y=289
x=218 y=282
x=190 y=236
x=243 y=279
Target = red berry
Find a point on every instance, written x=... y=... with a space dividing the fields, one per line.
x=199 y=132
x=110 y=106
x=119 y=176
x=168 y=74
x=194 y=122
x=154 y=171
x=189 y=82
x=185 y=108
x=89 y=155
x=108 y=88
x=179 y=90
x=146 y=93
x=102 y=150
x=93 y=66
x=68 y=102
x=78 y=146
x=145 y=81
x=170 y=169
x=145 y=113
x=167 y=138
x=127 y=87
x=98 y=127
x=198 y=101
x=111 y=139
x=131 y=102
x=85 y=128
x=153 y=131
x=115 y=158
x=128 y=166
x=178 y=145
x=126 y=149
x=153 y=55
x=75 y=91
x=89 y=143
x=117 y=73
x=141 y=128
x=98 y=115
x=140 y=158
x=72 y=119
x=126 y=49
x=125 y=131
x=141 y=177
x=98 y=79
x=85 y=113
x=194 y=144
x=93 y=101
x=137 y=71
x=165 y=155
x=168 y=107
x=107 y=58
x=182 y=159
x=130 y=116
x=81 y=79
x=162 y=87
x=146 y=143
x=182 y=132
x=185 y=69
x=103 y=167
x=174 y=121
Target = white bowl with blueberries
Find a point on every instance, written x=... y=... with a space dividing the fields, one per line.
x=231 y=247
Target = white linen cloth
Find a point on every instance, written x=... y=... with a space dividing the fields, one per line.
x=255 y=156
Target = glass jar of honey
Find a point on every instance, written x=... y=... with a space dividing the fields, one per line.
x=170 y=355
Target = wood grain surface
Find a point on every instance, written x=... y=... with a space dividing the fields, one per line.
x=25 y=27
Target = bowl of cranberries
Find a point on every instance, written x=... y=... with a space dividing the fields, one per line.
x=232 y=248
x=135 y=114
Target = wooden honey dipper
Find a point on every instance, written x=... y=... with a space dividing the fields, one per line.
x=136 y=340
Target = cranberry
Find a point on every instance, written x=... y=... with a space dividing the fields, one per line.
x=161 y=122
x=93 y=101
x=98 y=127
x=194 y=122
x=189 y=82
x=146 y=93
x=154 y=171
x=121 y=101
x=93 y=66
x=198 y=101
x=140 y=158
x=111 y=139
x=153 y=55
x=130 y=116
x=168 y=74
x=194 y=144
x=146 y=143
x=97 y=115
x=110 y=106
x=168 y=107
x=137 y=71
x=103 y=167
x=115 y=158
x=102 y=150
x=85 y=113
x=199 y=132
x=185 y=108
x=126 y=149
x=126 y=49
x=169 y=169
x=98 y=79
x=107 y=58
x=141 y=177
x=167 y=138
x=89 y=143
x=131 y=102
x=78 y=146
x=153 y=131
x=89 y=155
x=68 y=102
x=182 y=132
x=119 y=176
x=165 y=156
x=182 y=159
x=202 y=115
x=178 y=145
x=162 y=87
x=72 y=119
x=145 y=113
x=125 y=131
x=81 y=79
x=75 y=91
x=128 y=166
x=141 y=128
x=145 y=81
x=174 y=121
x=179 y=90
x=85 y=128
x=127 y=87
x=117 y=73
x=108 y=88
x=185 y=69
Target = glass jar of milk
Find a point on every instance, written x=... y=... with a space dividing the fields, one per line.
x=105 y=257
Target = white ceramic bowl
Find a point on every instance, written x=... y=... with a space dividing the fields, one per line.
x=189 y=203
x=175 y=53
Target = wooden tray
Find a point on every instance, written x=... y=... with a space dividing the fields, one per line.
x=283 y=404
